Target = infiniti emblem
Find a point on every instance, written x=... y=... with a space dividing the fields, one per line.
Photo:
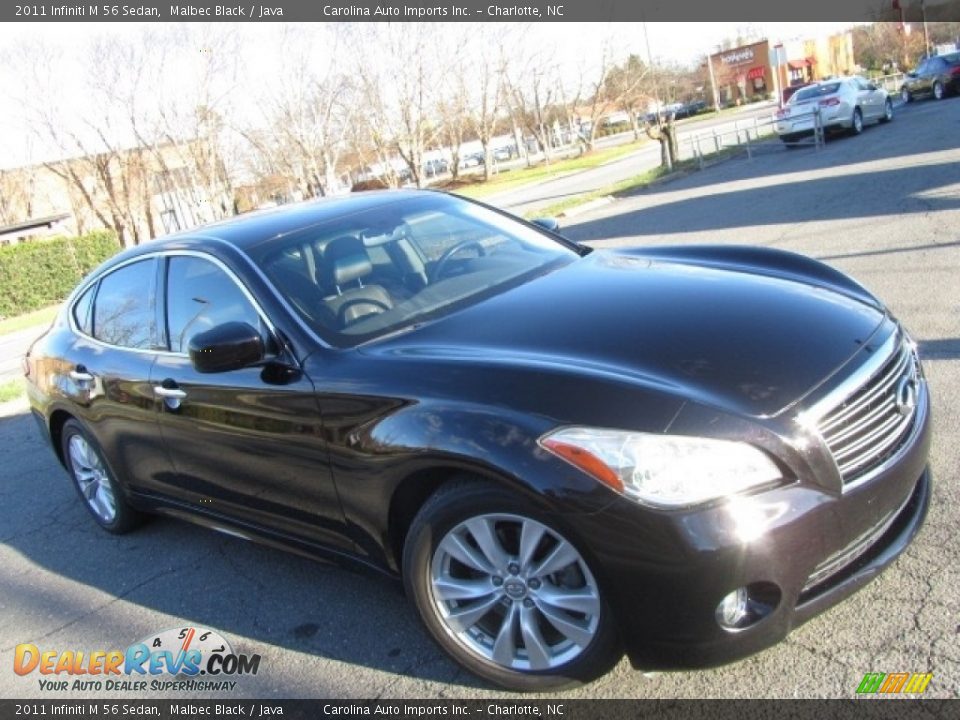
x=906 y=398
x=515 y=588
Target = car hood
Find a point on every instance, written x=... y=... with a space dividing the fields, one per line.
x=747 y=341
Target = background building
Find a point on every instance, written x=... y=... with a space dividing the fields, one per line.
x=743 y=73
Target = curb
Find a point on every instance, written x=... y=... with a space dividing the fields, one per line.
x=587 y=206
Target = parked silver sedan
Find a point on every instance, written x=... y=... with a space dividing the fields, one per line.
x=843 y=103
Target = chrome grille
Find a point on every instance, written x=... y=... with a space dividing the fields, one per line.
x=871 y=424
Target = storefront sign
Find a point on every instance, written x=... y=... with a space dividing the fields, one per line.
x=737 y=56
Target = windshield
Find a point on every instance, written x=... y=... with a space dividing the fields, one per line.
x=814 y=91
x=374 y=272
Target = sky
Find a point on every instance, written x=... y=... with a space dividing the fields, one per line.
x=680 y=43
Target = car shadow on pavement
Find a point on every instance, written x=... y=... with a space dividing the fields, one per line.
x=899 y=191
x=68 y=580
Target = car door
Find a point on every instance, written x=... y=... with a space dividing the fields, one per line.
x=245 y=444
x=938 y=69
x=911 y=80
x=872 y=99
x=924 y=80
x=106 y=373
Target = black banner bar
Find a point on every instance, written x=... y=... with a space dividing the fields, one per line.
x=475 y=11
x=559 y=709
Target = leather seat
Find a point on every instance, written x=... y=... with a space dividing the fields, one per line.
x=346 y=263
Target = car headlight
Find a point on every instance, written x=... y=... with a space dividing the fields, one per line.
x=664 y=470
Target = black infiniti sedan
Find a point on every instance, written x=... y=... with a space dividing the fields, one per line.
x=678 y=453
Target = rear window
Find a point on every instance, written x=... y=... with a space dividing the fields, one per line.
x=951 y=59
x=815 y=91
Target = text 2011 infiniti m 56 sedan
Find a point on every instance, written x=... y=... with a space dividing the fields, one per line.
x=679 y=453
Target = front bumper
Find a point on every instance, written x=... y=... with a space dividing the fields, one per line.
x=666 y=572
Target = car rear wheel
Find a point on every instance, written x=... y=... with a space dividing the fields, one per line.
x=905 y=95
x=94 y=482
x=887 y=111
x=505 y=592
x=938 y=90
x=857 y=122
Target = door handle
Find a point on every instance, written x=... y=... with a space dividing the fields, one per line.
x=80 y=376
x=169 y=393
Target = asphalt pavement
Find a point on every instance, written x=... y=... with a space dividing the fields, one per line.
x=884 y=207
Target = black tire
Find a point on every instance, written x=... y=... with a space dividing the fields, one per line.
x=938 y=93
x=887 y=111
x=124 y=518
x=468 y=500
x=856 y=122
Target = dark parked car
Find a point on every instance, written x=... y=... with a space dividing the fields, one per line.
x=715 y=446
x=935 y=77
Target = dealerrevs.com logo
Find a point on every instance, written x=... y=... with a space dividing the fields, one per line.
x=901 y=683
x=182 y=653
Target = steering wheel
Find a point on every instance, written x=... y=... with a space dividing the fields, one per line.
x=437 y=272
x=342 y=312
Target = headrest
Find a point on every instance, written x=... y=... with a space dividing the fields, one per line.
x=351 y=267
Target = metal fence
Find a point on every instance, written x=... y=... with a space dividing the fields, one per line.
x=749 y=136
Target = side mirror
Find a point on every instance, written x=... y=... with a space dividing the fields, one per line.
x=230 y=346
x=548 y=223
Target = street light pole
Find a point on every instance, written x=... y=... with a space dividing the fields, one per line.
x=713 y=84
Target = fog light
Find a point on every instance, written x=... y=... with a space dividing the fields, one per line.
x=733 y=609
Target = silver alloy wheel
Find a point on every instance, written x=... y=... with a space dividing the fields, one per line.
x=905 y=95
x=857 y=121
x=888 y=110
x=92 y=479
x=514 y=592
x=938 y=90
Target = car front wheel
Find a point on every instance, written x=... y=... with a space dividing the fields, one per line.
x=938 y=90
x=94 y=482
x=505 y=592
x=905 y=95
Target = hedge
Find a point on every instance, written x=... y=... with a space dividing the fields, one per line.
x=38 y=273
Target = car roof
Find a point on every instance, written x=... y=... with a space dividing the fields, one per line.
x=250 y=229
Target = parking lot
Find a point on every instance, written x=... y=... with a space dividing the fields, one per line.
x=884 y=206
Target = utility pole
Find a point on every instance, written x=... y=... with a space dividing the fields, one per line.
x=713 y=84
x=926 y=35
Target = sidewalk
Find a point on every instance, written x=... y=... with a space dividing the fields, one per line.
x=12 y=348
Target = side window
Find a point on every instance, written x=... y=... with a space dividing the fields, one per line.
x=82 y=314
x=200 y=296
x=124 y=311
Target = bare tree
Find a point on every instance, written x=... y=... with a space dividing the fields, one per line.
x=593 y=99
x=627 y=87
x=533 y=89
x=306 y=112
x=487 y=94
x=399 y=75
